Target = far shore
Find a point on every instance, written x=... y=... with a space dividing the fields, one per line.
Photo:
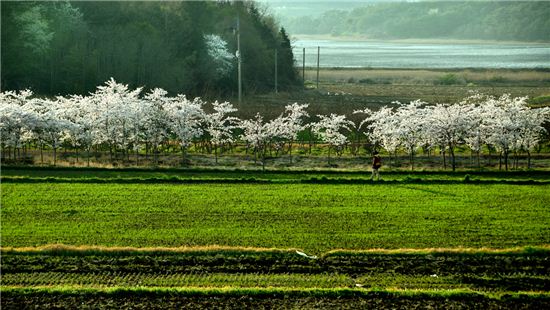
x=411 y=41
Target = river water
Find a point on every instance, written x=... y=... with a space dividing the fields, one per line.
x=383 y=54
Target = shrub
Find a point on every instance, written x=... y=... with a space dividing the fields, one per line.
x=449 y=79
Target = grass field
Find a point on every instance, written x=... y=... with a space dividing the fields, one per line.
x=199 y=238
x=313 y=217
x=480 y=77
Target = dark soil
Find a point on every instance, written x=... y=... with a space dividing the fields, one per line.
x=153 y=300
x=537 y=263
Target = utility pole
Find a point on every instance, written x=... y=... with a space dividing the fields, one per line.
x=276 y=90
x=239 y=57
x=304 y=66
x=318 y=53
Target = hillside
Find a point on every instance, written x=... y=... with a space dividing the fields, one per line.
x=517 y=21
x=183 y=47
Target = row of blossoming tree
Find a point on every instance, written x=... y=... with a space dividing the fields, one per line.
x=122 y=121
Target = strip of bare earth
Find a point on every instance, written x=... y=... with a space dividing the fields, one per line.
x=482 y=270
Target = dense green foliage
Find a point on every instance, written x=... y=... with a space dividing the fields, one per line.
x=314 y=217
x=487 y=20
x=71 y=47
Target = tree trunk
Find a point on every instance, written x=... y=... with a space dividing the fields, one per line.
x=506 y=160
x=453 y=162
x=111 y=152
x=411 y=156
x=290 y=151
x=528 y=159
x=263 y=159
x=444 y=159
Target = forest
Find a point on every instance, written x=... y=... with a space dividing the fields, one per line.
x=70 y=47
x=485 y=20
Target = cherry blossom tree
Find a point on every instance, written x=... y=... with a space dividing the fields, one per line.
x=220 y=126
x=329 y=129
x=113 y=100
x=222 y=59
x=185 y=120
x=530 y=128
x=292 y=123
x=54 y=125
x=448 y=124
x=503 y=129
x=477 y=136
x=157 y=119
x=258 y=134
x=70 y=111
x=383 y=129
x=85 y=119
x=17 y=119
x=409 y=121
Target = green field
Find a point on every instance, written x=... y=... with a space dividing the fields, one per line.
x=312 y=217
x=161 y=238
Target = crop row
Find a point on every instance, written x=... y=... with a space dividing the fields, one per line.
x=155 y=298
x=202 y=279
x=513 y=282
x=516 y=264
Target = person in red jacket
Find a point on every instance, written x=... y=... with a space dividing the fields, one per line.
x=376 y=164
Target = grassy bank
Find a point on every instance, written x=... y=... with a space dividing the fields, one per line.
x=140 y=175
